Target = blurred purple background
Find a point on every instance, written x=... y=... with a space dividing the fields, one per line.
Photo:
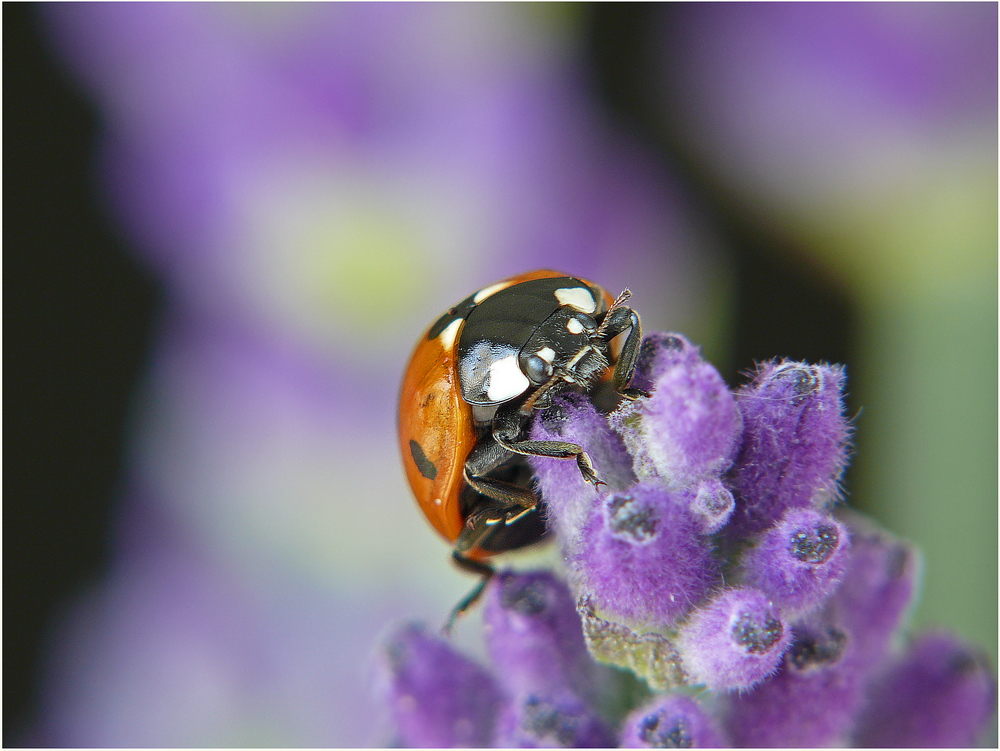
x=227 y=224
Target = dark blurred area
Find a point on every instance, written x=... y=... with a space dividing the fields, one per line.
x=782 y=306
x=80 y=310
x=78 y=316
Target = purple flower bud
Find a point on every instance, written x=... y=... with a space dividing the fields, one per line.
x=689 y=426
x=799 y=561
x=671 y=722
x=794 y=445
x=642 y=557
x=876 y=591
x=570 y=500
x=660 y=351
x=713 y=504
x=734 y=641
x=551 y=721
x=437 y=697
x=533 y=634
x=938 y=694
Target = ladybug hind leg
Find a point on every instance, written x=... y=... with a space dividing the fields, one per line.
x=498 y=501
x=485 y=571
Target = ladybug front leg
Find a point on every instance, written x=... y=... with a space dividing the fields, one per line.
x=617 y=320
x=507 y=427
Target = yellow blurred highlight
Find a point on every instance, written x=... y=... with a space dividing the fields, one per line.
x=363 y=266
x=343 y=256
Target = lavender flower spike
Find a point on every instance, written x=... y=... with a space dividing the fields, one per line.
x=671 y=722
x=710 y=562
x=437 y=697
x=735 y=641
x=794 y=445
x=799 y=561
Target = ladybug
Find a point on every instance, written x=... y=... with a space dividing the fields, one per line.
x=477 y=375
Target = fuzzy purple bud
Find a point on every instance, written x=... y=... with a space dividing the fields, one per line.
x=660 y=351
x=875 y=594
x=671 y=722
x=689 y=426
x=794 y=446
x=570 y=499
x=437 y=697
x=734 y=641
x=642 y=557
x=551 y=721
x=939 y=694
x=533 y=632
x=799 y=561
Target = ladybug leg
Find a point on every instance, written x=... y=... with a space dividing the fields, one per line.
x=490 y=514
x=507 y=426
x=501 y=503
x=485 y=571
x=617 y=320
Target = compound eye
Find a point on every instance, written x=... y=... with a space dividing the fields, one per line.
x=537 y=369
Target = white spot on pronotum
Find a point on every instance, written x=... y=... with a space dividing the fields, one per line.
x=506 y=379
x=437 y=501
x=573 y=326
x=477 y=376
x=547 y=353
x=577 y=297
x=448 y=334
x=489 y=291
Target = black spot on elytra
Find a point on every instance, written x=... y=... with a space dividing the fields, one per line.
x=425 y=465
